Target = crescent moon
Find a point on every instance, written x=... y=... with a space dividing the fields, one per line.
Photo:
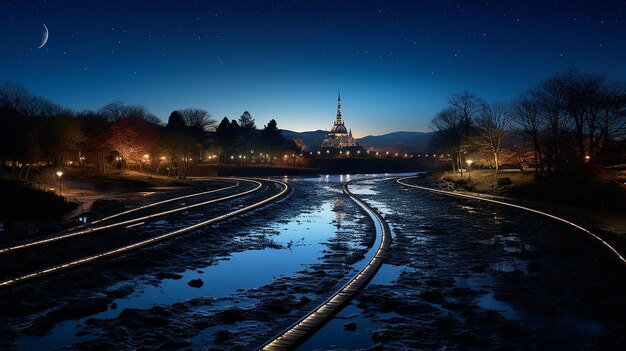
x=44 y=39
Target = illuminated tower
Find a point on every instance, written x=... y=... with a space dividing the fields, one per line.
x=338 y=127
x=339 y=107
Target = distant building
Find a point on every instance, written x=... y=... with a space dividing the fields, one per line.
x=339 y=138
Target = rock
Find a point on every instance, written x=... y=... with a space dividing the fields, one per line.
x=432 y=295
x=223 y=336
x=172 y=276
x=196 y=283
x=504 y=181
x=230 y=315
x=351 y=326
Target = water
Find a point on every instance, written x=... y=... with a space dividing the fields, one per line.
x=562 y=326
x=301 y=238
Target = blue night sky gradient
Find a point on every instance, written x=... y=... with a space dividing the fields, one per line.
x=395 y=62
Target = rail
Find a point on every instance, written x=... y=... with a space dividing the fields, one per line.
x=89 y=259
x=306 y=326
x=137 y=219
x=450 y=193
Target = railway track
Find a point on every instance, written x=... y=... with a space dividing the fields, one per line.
x=92 y=229
x=306 y=326
x=402 y=181
x=136 y=235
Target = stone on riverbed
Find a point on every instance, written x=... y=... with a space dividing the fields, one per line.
x=196 y=283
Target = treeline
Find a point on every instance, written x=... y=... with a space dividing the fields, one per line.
x=35 y=131
x=568 y=121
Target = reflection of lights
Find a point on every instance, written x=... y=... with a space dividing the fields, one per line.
x=144 y=242
x=450 y=193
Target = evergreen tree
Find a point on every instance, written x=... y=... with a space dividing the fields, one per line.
x=246 y=120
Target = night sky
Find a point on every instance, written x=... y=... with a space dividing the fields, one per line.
x=394 y=62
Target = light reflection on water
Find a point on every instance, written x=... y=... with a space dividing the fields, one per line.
x=242 y=270
x=562 y=326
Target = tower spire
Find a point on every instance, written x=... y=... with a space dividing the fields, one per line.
x=339 y=106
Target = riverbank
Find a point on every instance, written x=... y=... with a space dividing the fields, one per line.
x=600 y=201
x=38 y=208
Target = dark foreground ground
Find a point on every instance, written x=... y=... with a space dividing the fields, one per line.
x=461 y=275
x=111 y=304
x=478 y=276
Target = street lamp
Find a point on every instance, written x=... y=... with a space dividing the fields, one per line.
x=469 y=166
x=59 y=174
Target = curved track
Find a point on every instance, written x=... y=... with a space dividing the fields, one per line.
x=243 y=207
x=299 y=331
x=401 y=181
x=138 y=219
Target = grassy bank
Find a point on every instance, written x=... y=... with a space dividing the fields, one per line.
x=605 y=191
x=599 y=198
x=22 y=203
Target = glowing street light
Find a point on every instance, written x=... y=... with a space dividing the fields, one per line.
x=469 y=166
x=59 y=174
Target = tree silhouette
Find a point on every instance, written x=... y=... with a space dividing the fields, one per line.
x=246 y=120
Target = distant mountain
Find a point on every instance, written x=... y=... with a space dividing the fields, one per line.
x=311 y=140
x=399 y=141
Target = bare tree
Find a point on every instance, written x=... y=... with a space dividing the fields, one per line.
x=448 y=135
x=469 y=107
x=197 y=118
x=13 y=96
x=116 y=110
x=113 y=111
x=526 y=114
x=494 y=129
x=597 y=108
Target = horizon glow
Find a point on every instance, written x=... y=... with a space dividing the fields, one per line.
x=395 y=63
